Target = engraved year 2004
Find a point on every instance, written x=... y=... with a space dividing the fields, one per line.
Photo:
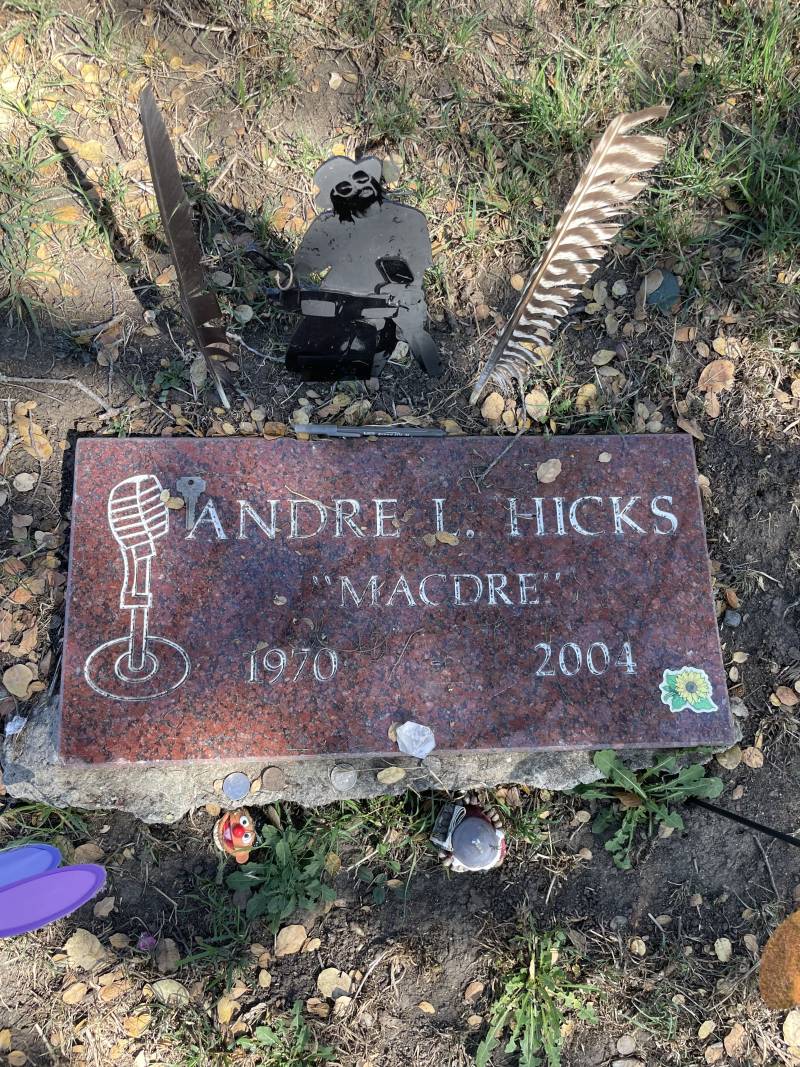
x=570 y=658
x=273 y=664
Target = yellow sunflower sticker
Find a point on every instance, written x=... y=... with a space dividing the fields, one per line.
x=687 y=688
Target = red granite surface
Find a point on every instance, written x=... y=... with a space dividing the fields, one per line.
x=475 y=673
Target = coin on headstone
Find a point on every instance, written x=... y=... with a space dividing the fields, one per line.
x=343 y=777
x=236 y=786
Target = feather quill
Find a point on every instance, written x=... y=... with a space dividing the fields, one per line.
x=200 y=307
x=589 y=222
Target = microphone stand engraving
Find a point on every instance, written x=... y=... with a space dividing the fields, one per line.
x=138 y=666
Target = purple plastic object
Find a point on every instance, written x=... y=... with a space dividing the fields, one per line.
x=35 y=902
x=26 y=861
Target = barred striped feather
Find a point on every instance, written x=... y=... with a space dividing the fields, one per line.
x=589 y=223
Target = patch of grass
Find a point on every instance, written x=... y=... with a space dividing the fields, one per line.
x=31 y=821
x=24 y=213
x=559 y=102
x=737 y=159
x=643 y=799
x=227 y=938
x=390 y=836
x=391 y=114
x=287 y=1042
x=537 y=995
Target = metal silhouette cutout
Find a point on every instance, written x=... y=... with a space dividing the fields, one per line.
x=372 y=253
x=137 y=666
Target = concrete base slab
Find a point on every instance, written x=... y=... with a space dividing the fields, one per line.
x=164 y=792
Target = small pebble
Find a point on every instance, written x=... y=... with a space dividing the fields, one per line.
x=732 y=618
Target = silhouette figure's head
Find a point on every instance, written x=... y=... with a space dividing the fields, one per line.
x=348 y=186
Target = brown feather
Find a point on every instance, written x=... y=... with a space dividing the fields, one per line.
x=199 y=305
x=579 y=242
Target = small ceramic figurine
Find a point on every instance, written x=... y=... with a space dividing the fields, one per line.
x=470 y=836
x=234 y=834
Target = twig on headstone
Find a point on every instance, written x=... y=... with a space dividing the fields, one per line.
x=410 y=638
x=303 y=496
x=497 y=459
x=7 y=379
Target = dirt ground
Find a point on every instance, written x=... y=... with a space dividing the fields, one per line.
x=487 y=115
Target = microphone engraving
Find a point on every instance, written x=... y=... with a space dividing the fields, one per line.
x=138 y=666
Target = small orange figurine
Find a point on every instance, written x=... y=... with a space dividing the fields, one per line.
x=234 y=834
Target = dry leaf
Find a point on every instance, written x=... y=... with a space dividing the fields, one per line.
x=723 y=949
x=17 y=679
x=290 y=940
x=90 y=151
x=720 y=345
x=88 y=853
x=264 y=979
x=5 y=1040
x=135 y=1025
x=730 y=758
x=712 y=406
x=604 y=356
x=427 y=1007
x=318 y=1007
x=333 y=983
x=167 y=956
x=493 y=407
x=735 y=1041
x=84 y=951
x=110 y=993
x=33 y=438
x=17 y=1058
x=390 y=775
x=548 y=471
x=586 y=400
x=473 y=991
x=446 y=538
x=717 y=376
x=23 y=483
x=637 y=947
x=171 y=992
x=791 y=1029
x=75 y=993
x=706 y=1029
x=226 y=1009
x=785 y=695
x=690 y=426
x=753 y=757
x=537 y=404
x=104 y=907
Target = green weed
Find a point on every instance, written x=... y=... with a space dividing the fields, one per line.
x=644 y=799
x=287 y=1042
x=290 y=877
x=537 y=995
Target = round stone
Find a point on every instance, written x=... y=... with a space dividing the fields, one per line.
x=273 y=779
x=475 y=843
x=732 y=618
x=236 y=786
x=343 y=777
